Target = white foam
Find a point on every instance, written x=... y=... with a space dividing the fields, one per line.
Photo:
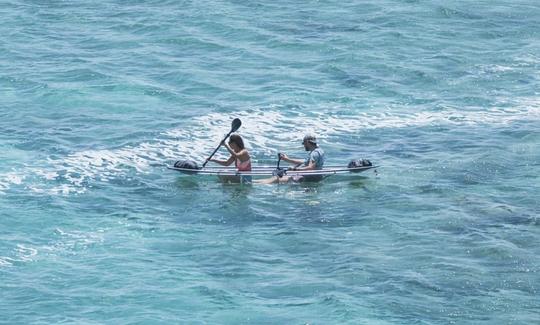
x=264 y=130
x=9 y=179
x=67 y=242
x=493 y=68
x=75 y=240
x=5 y=261
x=26 y=254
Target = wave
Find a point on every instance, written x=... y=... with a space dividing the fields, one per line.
x=264 y=131
x=67 y=242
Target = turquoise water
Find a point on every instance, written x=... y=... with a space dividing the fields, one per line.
x=98 y=97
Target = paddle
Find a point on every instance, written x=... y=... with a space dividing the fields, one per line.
x=279 y=171
x=235 y=125
x=287 y=168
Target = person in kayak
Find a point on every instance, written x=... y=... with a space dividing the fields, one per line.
x=314 y=161
x=239 y=155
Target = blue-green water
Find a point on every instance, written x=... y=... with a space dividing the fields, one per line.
x=98 y=96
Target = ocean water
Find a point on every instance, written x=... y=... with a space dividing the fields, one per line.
x=98 y=97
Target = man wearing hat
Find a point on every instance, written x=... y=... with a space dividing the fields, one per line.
x=314 y=160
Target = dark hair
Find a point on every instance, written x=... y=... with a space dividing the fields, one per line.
x=238 y=140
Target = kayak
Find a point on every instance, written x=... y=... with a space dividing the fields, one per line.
x=190 y=167
x=269 y=171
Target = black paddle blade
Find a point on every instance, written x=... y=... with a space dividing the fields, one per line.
x=235 y=125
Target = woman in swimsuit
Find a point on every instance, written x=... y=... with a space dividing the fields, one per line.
x=240 y=157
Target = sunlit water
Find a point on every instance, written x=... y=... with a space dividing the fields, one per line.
x=99 y=97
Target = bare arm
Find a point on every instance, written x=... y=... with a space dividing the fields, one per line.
x=243 y=154
x=284 y=157
x=227 y=162
x=310 y=166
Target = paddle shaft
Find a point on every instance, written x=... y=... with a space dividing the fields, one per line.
x=213 y=153
x=282 y=171
x=235 y=125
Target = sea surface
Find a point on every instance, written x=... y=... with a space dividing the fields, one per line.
x=98 y=97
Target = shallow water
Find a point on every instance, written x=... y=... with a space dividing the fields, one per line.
x=97 y=98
